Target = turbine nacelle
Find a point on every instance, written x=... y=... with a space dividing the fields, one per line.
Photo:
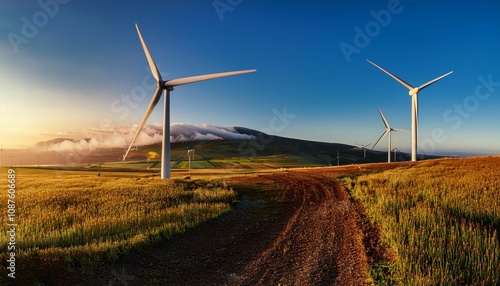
x=164 y=85
x=413 y=91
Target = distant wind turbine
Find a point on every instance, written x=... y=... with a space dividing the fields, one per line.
x=395 y=150
x=337 y=158
x=414 y=106
x=364 y=148
x=168 y=86
x=340 y=157
x=388 y=130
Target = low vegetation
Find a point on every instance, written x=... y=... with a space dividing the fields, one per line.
x=78 y=218
x=441 y=218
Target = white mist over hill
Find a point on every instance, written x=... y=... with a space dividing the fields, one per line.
x=120 y=136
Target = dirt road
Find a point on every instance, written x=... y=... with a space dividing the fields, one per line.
x=289 y=228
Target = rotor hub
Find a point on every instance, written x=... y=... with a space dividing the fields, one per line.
x=413 y=91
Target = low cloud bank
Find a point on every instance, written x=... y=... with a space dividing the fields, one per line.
x=120 y=136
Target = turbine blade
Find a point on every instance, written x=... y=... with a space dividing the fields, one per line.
x=407 y=85
x=433 y=81
x=383 y=119
x=400 y=130
x=362 y=146
x=191 y=79
x=382 y=136
x=152 y=104
x=151 y=62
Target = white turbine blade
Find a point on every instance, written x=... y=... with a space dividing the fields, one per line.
x=191 y=79
x=151 y=62
x=382 y=136
x=361 y=145
x=152 y=104
x=383 y=119
x=407 y=85
x=432 y=81
x=400 y=130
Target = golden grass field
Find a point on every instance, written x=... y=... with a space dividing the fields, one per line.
x=440 y=217
x=81 y=218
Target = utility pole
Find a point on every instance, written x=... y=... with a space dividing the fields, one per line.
x=190 y=153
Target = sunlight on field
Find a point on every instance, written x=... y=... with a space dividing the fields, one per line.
x=72 y=214
x=441 y=217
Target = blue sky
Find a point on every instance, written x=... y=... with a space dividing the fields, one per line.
x=83 y=60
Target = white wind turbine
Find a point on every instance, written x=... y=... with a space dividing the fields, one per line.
x=414 y=106
x=337 y=158
x=168 y=86
x=388 y=130
x=363 y=147
x=396 y=150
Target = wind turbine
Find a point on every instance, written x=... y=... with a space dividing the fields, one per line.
x=364 y=148
x=337 y=158
x=414 y=106
x=388 y=130
x=396 y=150
x=168 y=86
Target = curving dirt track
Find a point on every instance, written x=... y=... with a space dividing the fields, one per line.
x=289 y=228
x=320 y=244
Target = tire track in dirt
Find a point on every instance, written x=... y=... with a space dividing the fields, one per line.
x=321 y=243
x=290 y=228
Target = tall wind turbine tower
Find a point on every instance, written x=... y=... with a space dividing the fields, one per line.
x=414 y=106
x=388 y=130
x=167 y=86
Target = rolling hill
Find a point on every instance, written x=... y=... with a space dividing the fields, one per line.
x=265 y=150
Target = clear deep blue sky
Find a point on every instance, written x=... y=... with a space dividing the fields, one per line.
x=70 y=74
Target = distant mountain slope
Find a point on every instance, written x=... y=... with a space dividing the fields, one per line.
x=267 y=148
x=283 y=144
x=214 y=146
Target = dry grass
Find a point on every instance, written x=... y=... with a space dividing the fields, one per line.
x=83 y=217
x=441 y=217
